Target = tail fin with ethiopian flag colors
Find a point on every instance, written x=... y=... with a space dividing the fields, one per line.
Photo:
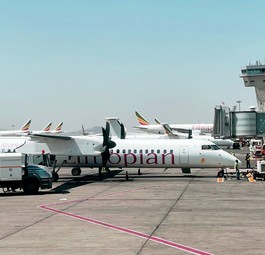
x=25 y=127
x=47 y=127
x=58 y=129
x=141 y=119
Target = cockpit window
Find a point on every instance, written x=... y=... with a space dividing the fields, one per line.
x=215 y=147
x=210 y=147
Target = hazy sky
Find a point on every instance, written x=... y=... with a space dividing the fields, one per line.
x=81 y=61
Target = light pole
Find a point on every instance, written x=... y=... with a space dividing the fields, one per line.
x=239 y=104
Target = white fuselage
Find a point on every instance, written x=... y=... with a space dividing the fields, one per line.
x=131 y=153
x=165 y=153
x=179 y=153
x=158 y=129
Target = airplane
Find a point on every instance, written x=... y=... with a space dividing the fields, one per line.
x=24 y=130
x=158 y=129
x=121 y=132
x=105 y=151
x=118 y=129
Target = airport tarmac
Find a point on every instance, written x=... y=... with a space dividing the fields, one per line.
x=157 y=212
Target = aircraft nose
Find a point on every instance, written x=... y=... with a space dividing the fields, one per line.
x=230 y=160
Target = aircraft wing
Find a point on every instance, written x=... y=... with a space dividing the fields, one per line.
x=71 y=145
x=44 y=137
x=181 y=130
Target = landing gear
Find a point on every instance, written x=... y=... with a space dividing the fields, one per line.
x=76 y=171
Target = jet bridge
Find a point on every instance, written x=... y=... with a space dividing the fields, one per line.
x=238 y=124
x=221 y=127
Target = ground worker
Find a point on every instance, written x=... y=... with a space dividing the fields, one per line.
x=237 y=170
x=248 y=160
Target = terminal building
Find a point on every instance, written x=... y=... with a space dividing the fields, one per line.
x=244 y=124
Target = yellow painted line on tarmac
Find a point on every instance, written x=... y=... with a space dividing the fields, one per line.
x=220 y=179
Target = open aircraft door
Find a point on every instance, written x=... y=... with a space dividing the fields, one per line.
x=184 y=155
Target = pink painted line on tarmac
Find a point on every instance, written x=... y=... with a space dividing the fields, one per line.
x=129 y=231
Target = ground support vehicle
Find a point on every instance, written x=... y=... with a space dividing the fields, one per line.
x=29 y=172
x=260 y=172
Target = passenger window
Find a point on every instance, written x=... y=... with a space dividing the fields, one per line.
x=165 y=151
x=152 y=151
x=129 y=151
x=134 y=151
x=146 y=151
x=171 y=151
x=141 y=151
x=123 y=151
x=118 y=151
x=158 y=151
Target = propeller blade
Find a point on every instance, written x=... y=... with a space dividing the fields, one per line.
x=107 y=128
x=107 y=144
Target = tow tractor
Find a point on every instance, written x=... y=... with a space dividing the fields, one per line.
x=29 y=172
x=260 y=172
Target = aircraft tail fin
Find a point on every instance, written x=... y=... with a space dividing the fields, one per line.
x=157 y=121
x=59 y=128
x=141 y=119
x=47 y=127
x=117 y=127
x=26 y=126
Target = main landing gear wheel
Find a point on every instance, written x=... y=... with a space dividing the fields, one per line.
x=76 y=171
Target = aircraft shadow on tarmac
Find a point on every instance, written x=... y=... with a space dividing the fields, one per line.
x=68 y=183
x=71 y=182
x=74 y=182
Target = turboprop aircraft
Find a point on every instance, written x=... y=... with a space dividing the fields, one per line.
x=104 y=151
x=158 y=129
x=22 y=131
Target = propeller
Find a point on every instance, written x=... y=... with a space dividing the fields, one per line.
x=107 y=144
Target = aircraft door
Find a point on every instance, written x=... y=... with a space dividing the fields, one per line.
x=184 y=155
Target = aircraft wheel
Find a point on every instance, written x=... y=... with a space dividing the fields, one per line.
x=55 y=177
x=76 y=171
